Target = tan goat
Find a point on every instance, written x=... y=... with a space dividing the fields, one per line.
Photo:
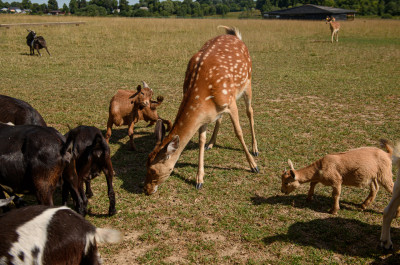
x=392 y=210
x=128 y=107
x=366 y=166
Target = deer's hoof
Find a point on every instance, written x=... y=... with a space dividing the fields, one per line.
x=254 y=153
x=255 y=170
x=207 y=147
x=199 y=186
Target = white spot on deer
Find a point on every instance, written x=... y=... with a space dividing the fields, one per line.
x=210 y=86
x=224 y=91
x=197 y=97
x=224 y=85
x=209 y=97
x=198 y=58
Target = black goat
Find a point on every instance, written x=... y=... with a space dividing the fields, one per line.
x=36 y=42
x=91 y=156
x=51 y=235
x=32 y=159
x=19 y=112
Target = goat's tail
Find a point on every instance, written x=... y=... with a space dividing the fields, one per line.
x=386 y=145
x=106 y=235
x=232 y=31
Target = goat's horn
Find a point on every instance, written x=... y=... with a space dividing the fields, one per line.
x=290 y=164
x=144 y=84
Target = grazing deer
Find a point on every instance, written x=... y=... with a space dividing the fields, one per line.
x=215 y=77
x=35 y=42
x=334 y=26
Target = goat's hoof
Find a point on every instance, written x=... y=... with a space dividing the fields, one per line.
x=111 y=212
x=199 y=186
x=255 y=153
x=255 y=170
x=333 y=212
x=386 y=248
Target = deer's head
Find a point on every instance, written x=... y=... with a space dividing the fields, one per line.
x=161 y=161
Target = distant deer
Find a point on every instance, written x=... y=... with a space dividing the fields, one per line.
x=35 y=42
x=335 y=26
x=215 y=77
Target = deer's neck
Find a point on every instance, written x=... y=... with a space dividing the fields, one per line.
x=308 y=173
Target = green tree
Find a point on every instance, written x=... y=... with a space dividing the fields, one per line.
x=65 y=8
x=52 y=5
x=73 y=6
x=26 y=4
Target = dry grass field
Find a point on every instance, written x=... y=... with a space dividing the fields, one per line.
x=311 y=98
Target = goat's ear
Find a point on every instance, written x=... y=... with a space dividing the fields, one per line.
x=159 y=131
x=68 y=154
x=139 y=87
x=290 y=164
x=97 y=146
x=292 y=174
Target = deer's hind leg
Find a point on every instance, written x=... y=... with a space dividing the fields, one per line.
x=249 y=111
x=233 y=112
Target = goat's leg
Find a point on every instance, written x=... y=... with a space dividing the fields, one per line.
x=233 y=112
x=200 y=170
x=336 y=195
x=310 y=195
x=130 y=133
x=47 y=51
x=249 y=111
x=110 y=124
x=389 y=214
x=374 y=187
x=88 y=192
x=71 y=184
x=109 y=173
x=37 y=49
x=213 y=139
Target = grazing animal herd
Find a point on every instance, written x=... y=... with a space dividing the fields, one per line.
x=37 y=159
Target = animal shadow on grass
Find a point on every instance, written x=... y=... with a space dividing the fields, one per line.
x=320 y=203
x=340 y=235
x=130 y=166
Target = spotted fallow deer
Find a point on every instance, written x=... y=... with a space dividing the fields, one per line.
x=334 y=26
x=215 y=78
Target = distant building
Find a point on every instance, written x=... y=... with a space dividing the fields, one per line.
x=14 y=10
x=312 y=12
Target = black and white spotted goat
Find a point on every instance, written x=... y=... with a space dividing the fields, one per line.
x=36 y=42
x=50 y=235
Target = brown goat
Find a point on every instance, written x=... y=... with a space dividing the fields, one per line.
x=128 y=107
x=36 y=42
x=366 y=166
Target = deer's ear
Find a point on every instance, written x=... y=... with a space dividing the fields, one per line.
x=173 y=145
x=159 y=131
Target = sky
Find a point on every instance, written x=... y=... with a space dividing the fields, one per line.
x=61 y=2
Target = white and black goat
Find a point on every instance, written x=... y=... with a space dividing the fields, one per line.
x=50 y=235
x=36 y=42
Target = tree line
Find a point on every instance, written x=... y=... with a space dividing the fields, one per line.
x=201 y=8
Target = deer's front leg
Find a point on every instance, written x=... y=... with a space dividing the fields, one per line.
x=202 y=142
x=213 y=139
